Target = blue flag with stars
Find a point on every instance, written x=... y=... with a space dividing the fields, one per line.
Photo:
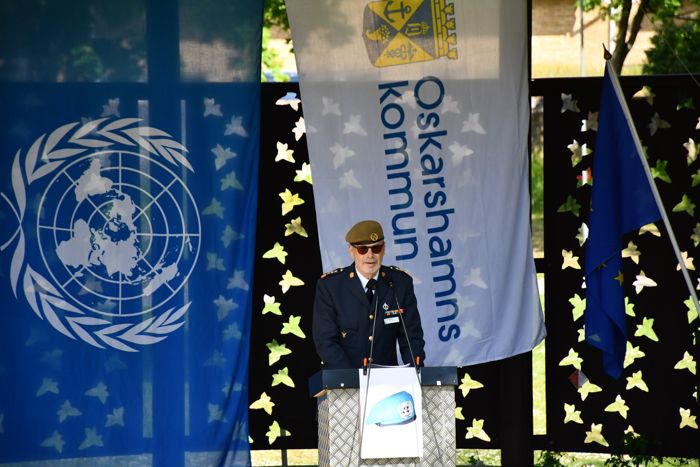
x=621 y=201
x=127 y=239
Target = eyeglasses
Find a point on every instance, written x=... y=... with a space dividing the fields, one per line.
x=376 y=249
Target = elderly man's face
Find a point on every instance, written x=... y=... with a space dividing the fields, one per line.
x=368 y=258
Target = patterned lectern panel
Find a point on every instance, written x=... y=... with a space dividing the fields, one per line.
x=339 y=433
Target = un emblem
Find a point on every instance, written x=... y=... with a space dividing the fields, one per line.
x=398 y=32
x=115 y=229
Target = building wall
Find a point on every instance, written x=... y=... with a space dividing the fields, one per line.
x=556 y=41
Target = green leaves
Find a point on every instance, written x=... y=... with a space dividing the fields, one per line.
x=277 y=351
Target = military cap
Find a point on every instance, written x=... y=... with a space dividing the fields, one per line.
x=365 y=232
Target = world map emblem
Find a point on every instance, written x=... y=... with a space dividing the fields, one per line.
x=115 y=233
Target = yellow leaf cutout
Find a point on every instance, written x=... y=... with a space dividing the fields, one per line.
x=588 y=388
x=284 y=153
x=295 y=227
x=636 y=381
x=618 y=406
x=687 y=419
x=264 y=402
x=477 y=431
x=596 y=435
x=571 y=414
x=277 y=351
x=288 y=281
x=572 y=359
x=282 y=377
x=289 y=200
x=292 y=327
x=468 y=384
x=276 y=252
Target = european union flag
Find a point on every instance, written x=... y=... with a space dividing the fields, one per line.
x=622 y=201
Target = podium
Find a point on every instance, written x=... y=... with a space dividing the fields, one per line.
x=337 y=394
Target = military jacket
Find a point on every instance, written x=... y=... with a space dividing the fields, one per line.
x=343 y=319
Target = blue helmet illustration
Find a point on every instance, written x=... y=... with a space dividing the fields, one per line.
x=396 y=409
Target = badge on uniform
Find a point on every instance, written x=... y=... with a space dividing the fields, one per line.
x=391 y=316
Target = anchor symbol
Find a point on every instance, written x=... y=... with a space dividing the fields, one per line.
x=403 y=10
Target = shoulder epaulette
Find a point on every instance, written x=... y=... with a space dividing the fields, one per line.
x=396 y=268
x=335 y=271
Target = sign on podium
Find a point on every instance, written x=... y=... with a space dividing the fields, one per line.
x=347 y=437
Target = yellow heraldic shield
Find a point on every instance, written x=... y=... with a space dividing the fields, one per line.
x=398 y=32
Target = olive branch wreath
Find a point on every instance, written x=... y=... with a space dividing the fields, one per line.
x=47 y=154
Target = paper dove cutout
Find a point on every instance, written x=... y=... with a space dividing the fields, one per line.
x=237 y=281
x=215 y=208
x=568 y=103
x=289 y=99
x=636 y=381
x=330 y=106
x=295 y=227
x=277 y=252
x=292 y=327
x=54 y=441
x=271 y=306
x=471 y=124
x=100 y=392
x=340 y=154
x=596 y=435
x=299 y=128
x=354 y=126
x=222 y=155
x=277 y=351
x=304 y=175
x=284 y=153
x=288 y=281
x=643 y=281
x=212 y=108
x=235 y=127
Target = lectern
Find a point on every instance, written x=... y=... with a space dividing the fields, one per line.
x=337 y=394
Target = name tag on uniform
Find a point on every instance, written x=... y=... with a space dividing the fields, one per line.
x=391 y=316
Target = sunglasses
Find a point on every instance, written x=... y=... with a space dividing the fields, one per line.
x=362 y=249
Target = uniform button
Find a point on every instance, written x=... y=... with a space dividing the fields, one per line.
x=370 y=338
x=371 y=316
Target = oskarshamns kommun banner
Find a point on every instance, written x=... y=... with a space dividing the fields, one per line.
x=417 y=116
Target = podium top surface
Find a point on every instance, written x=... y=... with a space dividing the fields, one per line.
x=349 y=378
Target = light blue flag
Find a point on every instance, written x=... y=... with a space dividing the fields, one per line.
x=622 y=201
x=127 y=233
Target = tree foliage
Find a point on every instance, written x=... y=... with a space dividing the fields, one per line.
x=675 y=47
x=628 y=20
x=274 y=16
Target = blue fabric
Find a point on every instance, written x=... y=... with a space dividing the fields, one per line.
x=397 y=409
x=126 y=272
x=621 y=201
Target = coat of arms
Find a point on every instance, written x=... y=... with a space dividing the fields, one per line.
x=398 y=32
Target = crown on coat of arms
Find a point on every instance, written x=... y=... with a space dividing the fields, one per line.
x=398 y=32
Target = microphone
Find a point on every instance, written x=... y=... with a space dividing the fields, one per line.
x=415 y=359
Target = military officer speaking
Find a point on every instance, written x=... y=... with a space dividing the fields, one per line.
x=362 y=311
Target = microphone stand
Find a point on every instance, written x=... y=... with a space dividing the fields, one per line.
x=416 y=362
x=414 y=358
x=367 y=366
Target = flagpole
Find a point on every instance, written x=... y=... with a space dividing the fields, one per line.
x=650 y=178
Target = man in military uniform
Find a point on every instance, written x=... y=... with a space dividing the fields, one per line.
x=363 y=310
